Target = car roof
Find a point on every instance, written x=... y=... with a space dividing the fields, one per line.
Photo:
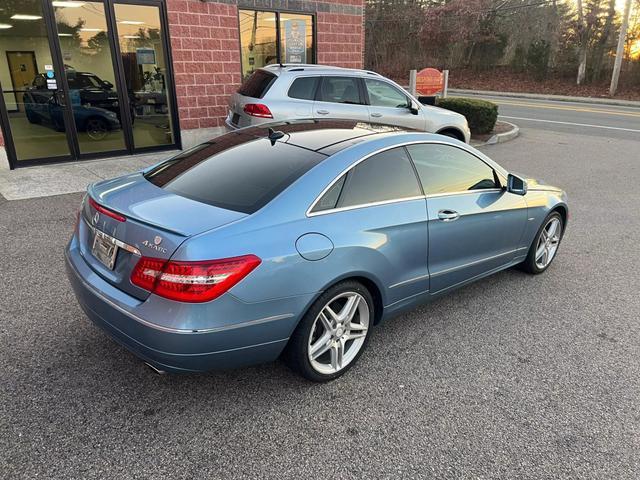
x=330 y=136
x=325 y=136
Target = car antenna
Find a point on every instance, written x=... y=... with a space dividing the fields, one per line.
x=275 y=135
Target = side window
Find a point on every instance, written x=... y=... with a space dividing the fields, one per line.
x=304 y=88
x=340 y=90
x=381 y=94
x=448 y=169
x=330 y=199
x=73 y=82
x=385 y=176
x=78 y=81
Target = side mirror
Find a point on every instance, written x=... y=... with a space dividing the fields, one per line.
x=413 y=108
x=107 y=85
x=516 y=185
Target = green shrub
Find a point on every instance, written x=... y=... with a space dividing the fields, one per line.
x=538 y=59
x=480 y=114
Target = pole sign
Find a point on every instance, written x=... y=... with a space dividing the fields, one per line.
x=429 y=81
x=295 y=41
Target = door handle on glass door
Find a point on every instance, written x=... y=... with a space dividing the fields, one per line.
x=448 y=215
x=323 y=112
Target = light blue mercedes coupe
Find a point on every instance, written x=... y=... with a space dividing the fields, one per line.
x=295 y=240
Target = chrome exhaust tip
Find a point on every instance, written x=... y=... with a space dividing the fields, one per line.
x=155 y=369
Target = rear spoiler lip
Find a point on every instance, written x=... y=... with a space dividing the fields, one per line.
x=90 y=196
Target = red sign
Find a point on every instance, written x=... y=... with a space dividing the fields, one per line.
x=429 y=81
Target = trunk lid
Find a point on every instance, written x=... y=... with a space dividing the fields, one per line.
x=156 y=223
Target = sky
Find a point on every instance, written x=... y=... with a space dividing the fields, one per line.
x=620 y=5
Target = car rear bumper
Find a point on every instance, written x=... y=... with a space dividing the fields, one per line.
x=173 y=349
x=229 y=125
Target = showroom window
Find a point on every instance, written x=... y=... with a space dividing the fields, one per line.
x=275 y=37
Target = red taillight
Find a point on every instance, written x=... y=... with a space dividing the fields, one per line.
x=146 y=271
x=192 y=281
x=257 y=110
x=105 y=211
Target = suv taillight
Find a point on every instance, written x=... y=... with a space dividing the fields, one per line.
x=192 y=282
x=257 y=110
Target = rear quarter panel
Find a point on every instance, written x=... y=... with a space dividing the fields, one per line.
x=284 y=272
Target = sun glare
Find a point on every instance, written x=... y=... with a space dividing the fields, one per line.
x=634 y=50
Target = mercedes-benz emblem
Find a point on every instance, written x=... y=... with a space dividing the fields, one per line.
x=96 y=217
x=157 y=240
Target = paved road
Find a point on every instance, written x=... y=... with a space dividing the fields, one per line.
x=513 y=377
x=569 y=117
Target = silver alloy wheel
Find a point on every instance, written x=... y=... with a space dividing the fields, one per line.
x=548 y=243
x=338 y=333
x=96 y=129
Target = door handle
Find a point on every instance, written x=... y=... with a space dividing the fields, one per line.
x=323 y=112
x=448 y=215
x=376 y=115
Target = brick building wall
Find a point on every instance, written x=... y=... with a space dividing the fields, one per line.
x=205 y=42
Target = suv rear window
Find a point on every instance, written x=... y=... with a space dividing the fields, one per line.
x=257 y=84
x=236 y=171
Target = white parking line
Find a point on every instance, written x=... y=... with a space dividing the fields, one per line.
x=570 y=123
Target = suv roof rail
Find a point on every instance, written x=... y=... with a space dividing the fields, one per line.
x=300 y=65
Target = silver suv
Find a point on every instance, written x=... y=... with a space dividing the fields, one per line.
x=286 y=92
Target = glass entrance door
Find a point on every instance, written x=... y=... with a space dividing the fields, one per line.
x=34 y=101
x=85 y=78
x=86 y=50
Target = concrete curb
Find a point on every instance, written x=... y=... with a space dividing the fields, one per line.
x=500 y=137
x=558 y=98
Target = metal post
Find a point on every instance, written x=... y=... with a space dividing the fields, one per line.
x=620 y=51
x=412 y=82
x=445 y=83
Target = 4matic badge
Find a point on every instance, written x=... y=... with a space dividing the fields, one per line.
x=155 y=245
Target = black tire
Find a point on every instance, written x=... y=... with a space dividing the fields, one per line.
x=296 y=354
x=452 y=134
x=97 y=129
x=529 y=265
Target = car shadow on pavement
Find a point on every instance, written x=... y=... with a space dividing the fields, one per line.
x=108 y=367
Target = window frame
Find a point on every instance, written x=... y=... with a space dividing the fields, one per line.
x=499 y=174
x=277 y=12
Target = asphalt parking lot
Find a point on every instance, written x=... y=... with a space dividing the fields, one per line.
x=513 y=377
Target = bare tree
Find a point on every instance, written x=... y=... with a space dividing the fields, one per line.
x=582 y=44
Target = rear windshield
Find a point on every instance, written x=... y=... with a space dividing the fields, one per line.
x=257 y=84
x=235 y=171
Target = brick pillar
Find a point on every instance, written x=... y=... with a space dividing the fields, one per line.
x=205 y=45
